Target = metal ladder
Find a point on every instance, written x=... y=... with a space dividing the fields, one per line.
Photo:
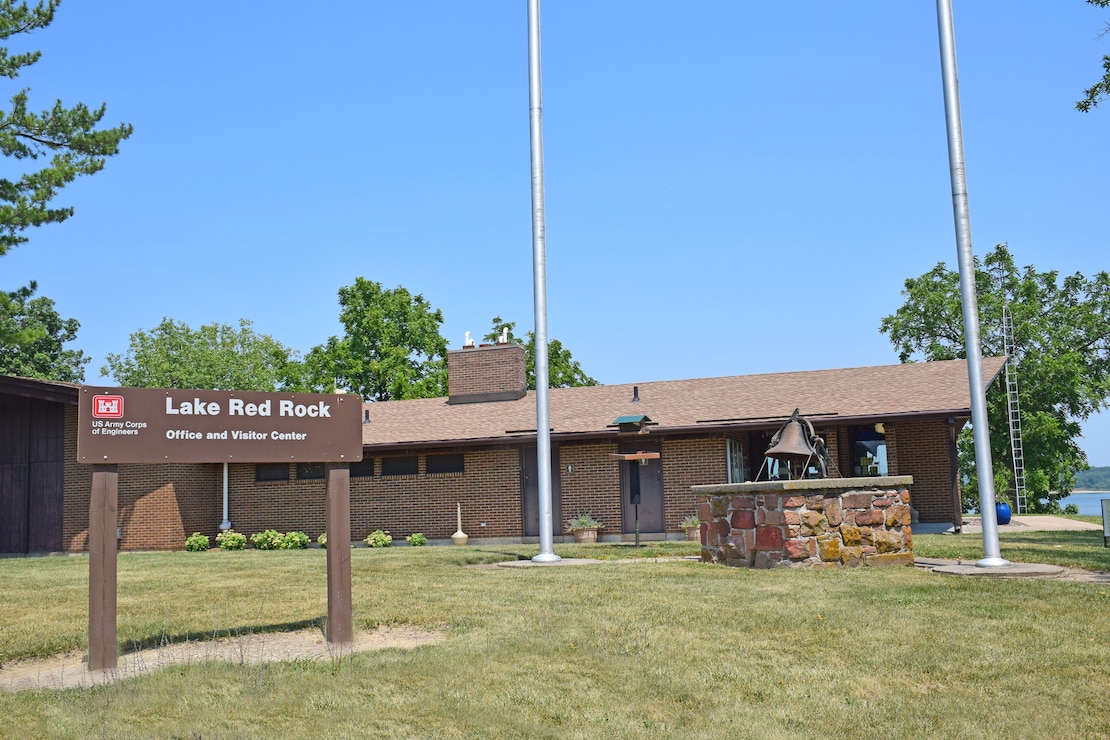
x=1014 y=410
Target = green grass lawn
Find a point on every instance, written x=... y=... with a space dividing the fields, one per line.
x=1083 y=549
x=652 y=647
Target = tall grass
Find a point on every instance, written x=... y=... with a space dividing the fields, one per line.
x=648 y=648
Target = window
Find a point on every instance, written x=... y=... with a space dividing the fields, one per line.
x=310 y=471
x=736 y=472
x=444 y=464
x=400 y=465
x=869 y=451
x=364 y=469
x=271 y=471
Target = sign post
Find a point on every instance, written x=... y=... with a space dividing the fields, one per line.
x=102 y=567
x=1105 y=522
x=147 y=425
x=338 y=481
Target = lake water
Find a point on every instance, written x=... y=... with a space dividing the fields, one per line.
x=1089 y=502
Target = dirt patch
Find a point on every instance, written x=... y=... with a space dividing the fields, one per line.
x=69 y=670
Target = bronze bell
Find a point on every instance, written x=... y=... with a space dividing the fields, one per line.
x=793 y=444
x=797 y=444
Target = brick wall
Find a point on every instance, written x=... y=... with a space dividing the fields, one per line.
x=891 y=435
x=921 y=449
x=481 y=371
x=159 y=505
x=77 y=487
x=488 y=489
x=843 y=447
x=833 y=446
x=689 y=462
x=593 y=486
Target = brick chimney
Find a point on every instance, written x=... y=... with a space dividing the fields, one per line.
x=481 y=374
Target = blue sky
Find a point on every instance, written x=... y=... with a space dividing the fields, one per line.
x=731 y=187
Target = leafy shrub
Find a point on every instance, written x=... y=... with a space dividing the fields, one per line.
x=1072 y=509
x=268 y=540
x=294 y=541
x=416 y=539
x=231 y=540
x=584 y=520
x=196 y=542
x=322 y=540
x=378 y=538
x=691 y=521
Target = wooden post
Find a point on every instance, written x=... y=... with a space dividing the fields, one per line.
x=954 y=469
x=338 y=484
x=103 y=651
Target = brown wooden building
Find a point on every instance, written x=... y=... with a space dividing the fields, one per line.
x=477 y=448
x=32 y=463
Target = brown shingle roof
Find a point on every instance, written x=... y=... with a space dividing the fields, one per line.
x=742 y=400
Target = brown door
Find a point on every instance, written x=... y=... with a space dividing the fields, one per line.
x=46 y=466
x=13 y=474
x=31 y=467
x=648 y=475
x=529 y=463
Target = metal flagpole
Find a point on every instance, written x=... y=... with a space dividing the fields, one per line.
x=539 y=282
x=972 y=342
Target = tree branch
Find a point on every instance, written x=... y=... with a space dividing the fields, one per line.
x=38 y=140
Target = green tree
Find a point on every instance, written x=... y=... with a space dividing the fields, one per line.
x=214 y=357
x=1094 y=479
x=1094 y=94
x=1061 y=354
x=43 y=354
x=563 y=371
x=392 y=347
x=67 y=137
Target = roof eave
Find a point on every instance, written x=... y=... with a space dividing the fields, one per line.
x=55 y=391
x=660 y=431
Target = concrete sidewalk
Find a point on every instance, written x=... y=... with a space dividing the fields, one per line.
x=1027 y=523
x=1034 y=523
x=1013 y=570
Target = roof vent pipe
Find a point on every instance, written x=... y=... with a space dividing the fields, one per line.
x=635 y=394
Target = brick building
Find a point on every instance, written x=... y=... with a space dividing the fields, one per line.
x=477 y=448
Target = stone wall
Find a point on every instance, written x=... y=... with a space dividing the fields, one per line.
x=829 y=522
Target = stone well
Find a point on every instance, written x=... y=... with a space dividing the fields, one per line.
x=827 y=522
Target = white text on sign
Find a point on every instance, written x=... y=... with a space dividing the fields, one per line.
x=237 y=407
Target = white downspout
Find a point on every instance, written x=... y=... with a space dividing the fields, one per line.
x=225 y=524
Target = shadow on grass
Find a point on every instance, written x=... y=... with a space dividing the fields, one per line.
x=163 y=639
x=602 y=551
x=470 y=556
